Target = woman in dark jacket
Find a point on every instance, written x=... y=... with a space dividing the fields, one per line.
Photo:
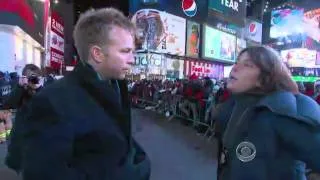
x=267 y=130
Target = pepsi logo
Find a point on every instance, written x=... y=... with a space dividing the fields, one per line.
x=189 y=7
x=252 y=28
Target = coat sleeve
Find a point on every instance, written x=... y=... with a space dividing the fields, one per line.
x=302 y=139
x=47 y=143
x=13 y=101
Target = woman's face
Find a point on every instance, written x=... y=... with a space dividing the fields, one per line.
x=244 y=75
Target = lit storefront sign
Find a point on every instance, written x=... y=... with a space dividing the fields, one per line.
x=203 y=69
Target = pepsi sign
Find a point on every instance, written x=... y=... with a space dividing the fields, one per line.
x=189 y=7
x=252 y=28
x=195 y=10
x=253 y=31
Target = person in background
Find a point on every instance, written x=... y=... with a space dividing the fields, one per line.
x=208 y=87
x=301 y=87
x=316 y=95
x=222 y=94
x=28 y=85
x=79 y=127
x=309 y=89
x=188 y=89
x=267 y=130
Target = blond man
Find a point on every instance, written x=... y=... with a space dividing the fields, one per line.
x=79 y=128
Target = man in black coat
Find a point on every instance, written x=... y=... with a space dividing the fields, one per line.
x=79 y=128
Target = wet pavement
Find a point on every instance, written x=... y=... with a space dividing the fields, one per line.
x=176 y=151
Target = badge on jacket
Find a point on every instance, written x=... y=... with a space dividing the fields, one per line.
x=246 y=151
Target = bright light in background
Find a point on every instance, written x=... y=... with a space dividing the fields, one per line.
x=56 y=1
x=19 y=48
x=29 y=49
x=227 y=71
x=37 y=57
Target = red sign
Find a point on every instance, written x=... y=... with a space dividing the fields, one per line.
x=203 y=69
x=253 y=28
x=200 y=69
x=56 y=41
x=57 y=24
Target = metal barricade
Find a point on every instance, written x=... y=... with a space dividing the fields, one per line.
x=168 y=102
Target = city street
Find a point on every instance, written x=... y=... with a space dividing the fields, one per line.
x=176 y=151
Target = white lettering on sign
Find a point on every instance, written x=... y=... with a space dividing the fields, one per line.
x=56 y=57
x=231 y=4
x=153 y=59
x=57 y=26
x=200 y=69
x=226 y=29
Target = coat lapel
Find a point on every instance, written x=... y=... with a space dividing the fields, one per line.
x=104 y=94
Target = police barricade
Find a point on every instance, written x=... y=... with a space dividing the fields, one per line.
x=183 y=108
x=159 y=100
x=172 y=106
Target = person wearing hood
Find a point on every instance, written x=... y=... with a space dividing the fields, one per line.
x=267 y=130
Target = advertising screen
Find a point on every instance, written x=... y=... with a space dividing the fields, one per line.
x=233 y=9
x=253 y=31
x=286 y=22
x=300 y=57
x=219 y=45
x=175 y=41
x=56 y=41
x=241 y=44
x=195 y=10
x=27 y=14
x=161 y=32
x=193 y=39
x=203 y=69
x=174 y=68
x=312 y=24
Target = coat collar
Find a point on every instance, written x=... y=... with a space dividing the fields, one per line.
x=297 y=106
x=104 y=94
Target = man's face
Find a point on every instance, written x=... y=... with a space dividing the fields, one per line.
x=117 y=55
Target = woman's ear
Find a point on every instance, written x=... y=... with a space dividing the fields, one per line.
x=258 y=83
x=261 y=80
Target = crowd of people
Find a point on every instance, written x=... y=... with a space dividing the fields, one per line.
x=192 y=98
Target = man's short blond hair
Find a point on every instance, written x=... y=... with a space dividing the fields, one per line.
x=93 y=28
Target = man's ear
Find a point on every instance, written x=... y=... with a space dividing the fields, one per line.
x=96 y=54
